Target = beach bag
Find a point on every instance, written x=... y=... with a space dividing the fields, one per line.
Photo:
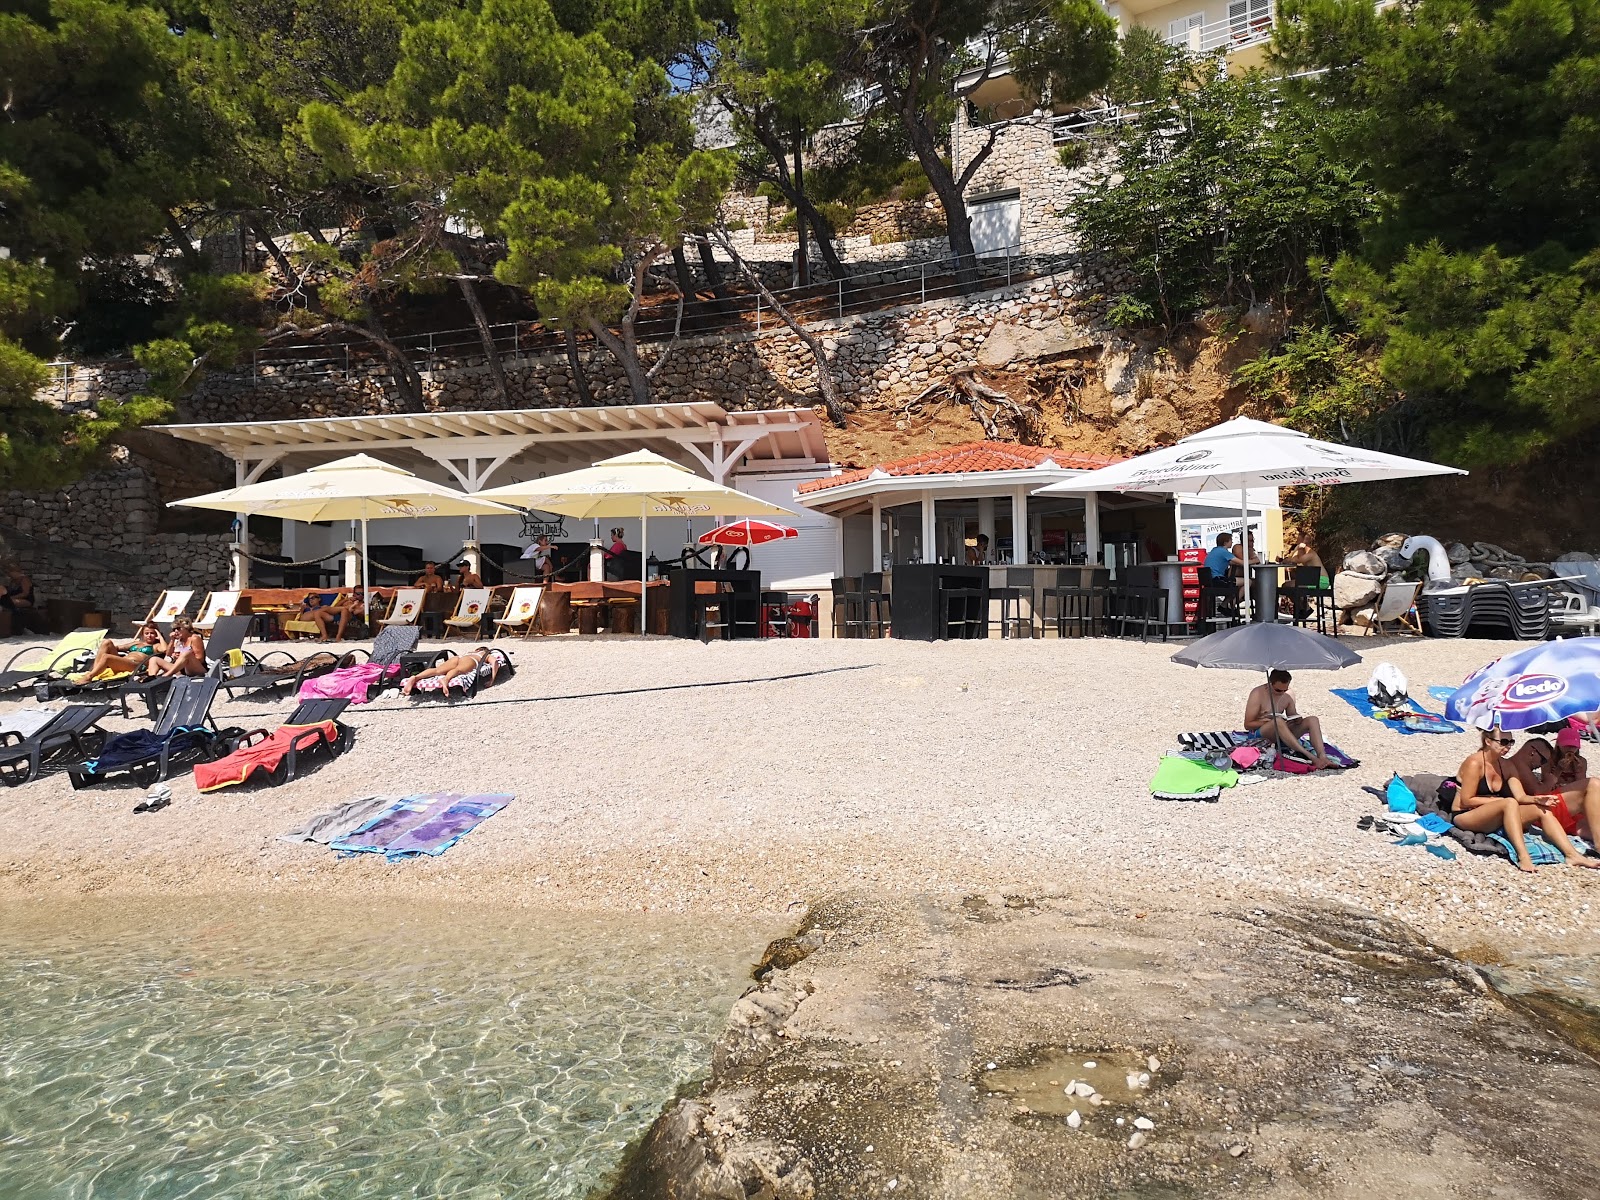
x=1245 y=757
x=1399 y=797
x=1292 y=765
x=1388 y=687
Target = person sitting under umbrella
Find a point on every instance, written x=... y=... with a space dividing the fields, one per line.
x=1497 y=793
x=1270 y=711
x=1566 y=776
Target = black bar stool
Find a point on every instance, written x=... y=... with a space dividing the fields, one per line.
x=961 y=609
x=849 y=608
x=877 y=610
x=1018 y=590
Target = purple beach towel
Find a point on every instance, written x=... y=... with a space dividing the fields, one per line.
x=439 y=830
x=374 y=836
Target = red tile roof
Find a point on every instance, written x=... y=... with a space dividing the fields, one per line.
x=971 y=458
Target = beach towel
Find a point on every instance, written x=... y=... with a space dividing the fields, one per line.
x=440 y=830
x=237 y=767
x=1221 y=742
x=423 y=824
x=1541 y=852
x=347 y=683
x=142 y=745
x=1357 y=699
x=29 y=721
x=1179 y=778
x=337 y=822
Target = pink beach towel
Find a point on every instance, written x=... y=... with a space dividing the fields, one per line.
x=347 y=683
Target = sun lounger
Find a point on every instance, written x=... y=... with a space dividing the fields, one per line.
x=358 y=682
x=274 y=757
x=169 y=606
x=522 y=612
x=470 y=609
x=72 y=732
x=183 y=733
x=405 y=608
x=464 y=687
x=1396 y=606
x=33 y=664
x=216 y=606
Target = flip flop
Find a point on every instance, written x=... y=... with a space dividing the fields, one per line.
x=141 y=807
x=1439 y=851
x=1413 y=839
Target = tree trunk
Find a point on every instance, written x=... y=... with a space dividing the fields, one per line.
x=820 y=226
x=638 y=381
x=680 y=269
x=192 y=258
x=804 y=252
x=958 y=225
x=407 y=380
x=291 y=277
x=469 y=293
x=710 y=265
x=831 y=399
x=580 y=380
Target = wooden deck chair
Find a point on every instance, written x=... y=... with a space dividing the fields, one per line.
x=1396 y=605
x=468 y=617
x=405 y=608
x=216 y=605
x=169 y=606
x=522 y=612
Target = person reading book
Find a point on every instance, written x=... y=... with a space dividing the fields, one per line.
x=1271 y=711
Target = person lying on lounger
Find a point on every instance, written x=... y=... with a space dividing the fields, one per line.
x=125 y=657
x=186 y=653
x=1271 y=712
x=1497 y=793
x=450 y=668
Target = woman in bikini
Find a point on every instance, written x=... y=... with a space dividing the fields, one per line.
x=1496 y=793
x=125 y=657
x=186 y=653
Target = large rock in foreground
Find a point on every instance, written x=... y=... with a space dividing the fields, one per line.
x=1014 y=1046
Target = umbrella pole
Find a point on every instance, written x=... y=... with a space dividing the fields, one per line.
x=366 y=588
x=1244 y=551
x=644 y=565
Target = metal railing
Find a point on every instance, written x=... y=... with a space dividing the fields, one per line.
x=874 y=288
x=1239 y=31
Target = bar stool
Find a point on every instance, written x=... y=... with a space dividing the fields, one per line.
x=1144 y=605
x=961 y=609
x=1018 y=590
x=1081 y=607
x=849 y=607
x=774 y=614
x=877 y=609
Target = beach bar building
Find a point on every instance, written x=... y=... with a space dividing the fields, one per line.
x=766 y=453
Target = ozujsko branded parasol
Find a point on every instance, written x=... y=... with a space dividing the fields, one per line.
x=1537 y=686
x=747 y=533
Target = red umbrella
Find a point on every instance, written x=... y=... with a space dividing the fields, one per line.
x=747 y=533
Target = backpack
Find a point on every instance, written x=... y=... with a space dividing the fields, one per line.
x=1387 y=688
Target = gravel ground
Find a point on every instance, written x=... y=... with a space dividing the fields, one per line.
x=754 y=777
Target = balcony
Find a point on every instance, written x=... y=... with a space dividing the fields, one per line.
x=1249 y=23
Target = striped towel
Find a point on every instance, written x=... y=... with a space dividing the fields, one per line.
x=1221 y=742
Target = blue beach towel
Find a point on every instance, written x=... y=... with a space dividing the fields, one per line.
x=1540 y=851
x=1441 y=692
x=1357 y=699
x=374 y=835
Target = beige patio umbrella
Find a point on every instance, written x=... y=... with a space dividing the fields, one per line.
x=643 y=484
x=357 y=488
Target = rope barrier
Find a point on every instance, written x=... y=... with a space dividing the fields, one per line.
x=309 y=562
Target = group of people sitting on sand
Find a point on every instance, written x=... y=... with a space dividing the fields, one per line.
x=150 y=654
x=1506 y=788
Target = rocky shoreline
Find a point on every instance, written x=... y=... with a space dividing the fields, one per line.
x=987 y=1046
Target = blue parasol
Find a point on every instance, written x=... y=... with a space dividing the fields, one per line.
x=1537 y=686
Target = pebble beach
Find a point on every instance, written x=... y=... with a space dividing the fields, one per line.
x=750 y=778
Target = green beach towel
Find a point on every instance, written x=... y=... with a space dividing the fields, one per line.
x=1179 y=778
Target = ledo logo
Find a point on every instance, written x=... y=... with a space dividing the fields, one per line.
x=1194 y=456
x=1530 y=691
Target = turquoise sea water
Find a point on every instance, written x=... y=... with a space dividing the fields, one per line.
x=160 y=1051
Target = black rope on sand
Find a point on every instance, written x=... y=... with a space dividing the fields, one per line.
x=665 y=687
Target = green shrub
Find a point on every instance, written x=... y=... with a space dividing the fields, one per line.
x=1130 y=312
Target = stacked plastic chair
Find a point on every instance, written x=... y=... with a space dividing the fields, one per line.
x=1488 y=609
